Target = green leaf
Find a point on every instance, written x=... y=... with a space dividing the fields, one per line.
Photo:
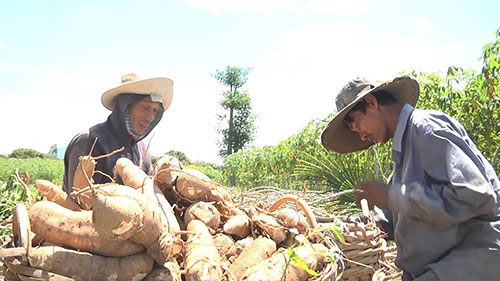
x=303 y=265
x=292 y=254
x=332 y=258
x=336 y=230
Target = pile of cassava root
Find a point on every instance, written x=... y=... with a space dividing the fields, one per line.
x=177 y=225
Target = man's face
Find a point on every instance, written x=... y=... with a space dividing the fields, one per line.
x=142 y=113
x=371 y=125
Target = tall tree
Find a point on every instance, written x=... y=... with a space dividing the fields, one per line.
x=240 y=128
x=53 y=151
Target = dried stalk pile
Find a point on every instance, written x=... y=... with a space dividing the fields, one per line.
x=180 y=225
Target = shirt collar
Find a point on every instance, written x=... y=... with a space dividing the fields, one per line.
x=401 y=126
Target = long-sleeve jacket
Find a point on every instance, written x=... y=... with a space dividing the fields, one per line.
x=111 y=135
x=444 y=200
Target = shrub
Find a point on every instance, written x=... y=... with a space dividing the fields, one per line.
x=48 y=169
x=470 y=97
x=24 y=153
x=211 y=170
x=178 y=154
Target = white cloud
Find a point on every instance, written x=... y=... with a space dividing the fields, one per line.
x=222 y=6
x=340 y=6
x=341 y=48
x=189 y=124
x=289 y=86
x=420 y=24
x=326 y=6
x=2 y=45
x=313 y=44
x=65 y=104
x=38 y=120
x=70 y=103
x=312 y=63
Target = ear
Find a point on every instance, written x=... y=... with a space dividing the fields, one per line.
x=371 y=101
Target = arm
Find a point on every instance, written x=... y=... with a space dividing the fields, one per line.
x=453 y=188
x=145 y=157
x=78 y=146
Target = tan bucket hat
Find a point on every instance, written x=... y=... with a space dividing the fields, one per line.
x=160 y=89
x=337 y=136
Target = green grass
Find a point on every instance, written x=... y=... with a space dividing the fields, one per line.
x=37 y=168
x=9 y=197
x=12 y=192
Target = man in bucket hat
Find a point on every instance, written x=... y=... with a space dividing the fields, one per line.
x=441 y=203
x=136 y=106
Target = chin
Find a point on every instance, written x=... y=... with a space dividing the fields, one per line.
x=139 y=132
x=384 y=141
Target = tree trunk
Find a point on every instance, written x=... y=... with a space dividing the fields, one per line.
x=231 y=127
x=230 y=133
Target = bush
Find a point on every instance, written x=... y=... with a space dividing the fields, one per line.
x=273 y=165
x=37 y=168
x=25 y=153
x=463 y=94
x=9 y=197
x=177 y=154
x=470 y=97
x=12 y=192
x=213 y=171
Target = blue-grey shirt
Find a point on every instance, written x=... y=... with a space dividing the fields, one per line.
x=444 y=198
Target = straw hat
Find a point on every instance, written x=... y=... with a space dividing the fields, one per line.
x=337 y=136
x=160 y=89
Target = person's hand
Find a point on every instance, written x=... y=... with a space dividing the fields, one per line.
x=374 y=192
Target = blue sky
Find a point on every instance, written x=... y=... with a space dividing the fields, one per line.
x=58 y=57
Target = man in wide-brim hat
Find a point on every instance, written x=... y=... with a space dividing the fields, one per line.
x=442 y=203
x=137 y=107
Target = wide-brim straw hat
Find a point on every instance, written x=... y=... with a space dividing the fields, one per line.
x=160 y=89
x=337 y=136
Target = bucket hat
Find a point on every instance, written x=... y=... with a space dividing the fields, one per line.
x=337 y=136
x=160 y=89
